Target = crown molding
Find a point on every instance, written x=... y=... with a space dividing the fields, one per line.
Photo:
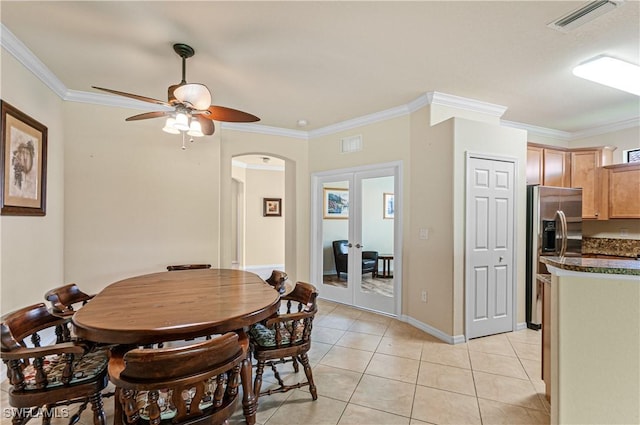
x=30 y=61
x=607 y=128
x=539 y=131
x=18 y=50
x=265 y=129
x=387 y=114
x=443 y=99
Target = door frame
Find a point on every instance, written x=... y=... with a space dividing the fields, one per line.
x=514 y=238
x=315 y=250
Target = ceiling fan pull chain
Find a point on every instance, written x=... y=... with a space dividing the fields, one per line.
x=183 y=146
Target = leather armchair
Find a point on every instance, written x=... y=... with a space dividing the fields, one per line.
x=340 y=255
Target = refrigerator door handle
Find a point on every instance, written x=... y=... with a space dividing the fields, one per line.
x=561 y=233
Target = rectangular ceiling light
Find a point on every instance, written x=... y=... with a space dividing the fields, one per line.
x=584 y=14
x=611 y=72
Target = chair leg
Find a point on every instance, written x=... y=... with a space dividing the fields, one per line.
x=296 y=368
x=76 y=417
x=99 y=417
x=276 y=374
x=257 y=383
x=47 y=414
x=307 y=371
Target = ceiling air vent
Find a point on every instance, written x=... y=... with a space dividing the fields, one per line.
x=585 y=14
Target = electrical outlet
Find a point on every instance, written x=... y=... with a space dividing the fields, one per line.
x=624 y=232
x=424 y=296
x=424 y=234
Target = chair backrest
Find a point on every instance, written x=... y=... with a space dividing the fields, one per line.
x=63 y=298
x=176 y=371
x=294 y=327
x=188 y=267
x=26 y=322
x=60 y=371
x=277 y=280
x=305 y=295
x=340 y=247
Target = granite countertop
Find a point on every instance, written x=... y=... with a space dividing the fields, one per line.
x=609 y=246
x=594 y=265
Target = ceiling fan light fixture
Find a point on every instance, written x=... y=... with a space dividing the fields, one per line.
x=197 y=95
x=195 y=129
x=182 y=122
x=169 y=126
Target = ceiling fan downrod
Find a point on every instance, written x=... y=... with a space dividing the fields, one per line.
x=184 y=51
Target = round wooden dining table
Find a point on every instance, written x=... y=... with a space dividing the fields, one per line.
x=179 y=305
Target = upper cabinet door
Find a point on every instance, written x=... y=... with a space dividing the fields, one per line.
x=585 y=174
x=556 y=168
x=534 y=165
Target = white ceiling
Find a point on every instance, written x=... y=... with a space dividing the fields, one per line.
x=327 y=62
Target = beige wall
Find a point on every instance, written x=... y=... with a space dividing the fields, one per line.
x=296 y=193
x=481 y=138
x=264 y=236
x=428 y=264
x=438 y=171
x=31 y=253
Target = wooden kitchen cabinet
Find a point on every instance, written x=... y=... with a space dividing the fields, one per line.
x=556 y=168
x=548 y=166
x=585 y=174
x=534 y=164
x=620 y=191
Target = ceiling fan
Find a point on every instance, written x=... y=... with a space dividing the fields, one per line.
x=191 y=102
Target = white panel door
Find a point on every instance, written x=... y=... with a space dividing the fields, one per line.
x=489 y=280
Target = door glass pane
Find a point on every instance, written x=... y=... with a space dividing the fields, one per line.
x=335 y=233
x=378 y=212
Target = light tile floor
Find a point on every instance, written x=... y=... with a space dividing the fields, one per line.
x=371 y=369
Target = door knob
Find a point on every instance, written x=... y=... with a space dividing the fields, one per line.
x=350 y=245
x=359 y=246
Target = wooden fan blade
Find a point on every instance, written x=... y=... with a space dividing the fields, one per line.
x=133 y=96
x=221 y=113
x=207 y=125
x=147 y=115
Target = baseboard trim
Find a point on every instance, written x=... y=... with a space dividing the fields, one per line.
x=449 y=339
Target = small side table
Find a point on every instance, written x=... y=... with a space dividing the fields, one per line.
x=386 y=266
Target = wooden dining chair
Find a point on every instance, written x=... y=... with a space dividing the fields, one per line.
x=188 y=267
x=66 y=300
x=192 y=384
x=277 y=280
x=286 y=338
x=44 y=376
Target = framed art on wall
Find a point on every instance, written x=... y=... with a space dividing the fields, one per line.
x=272 y=207
x=23 y=155
x=336 y=203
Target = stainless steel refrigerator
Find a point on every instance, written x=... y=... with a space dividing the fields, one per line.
x=554 y=227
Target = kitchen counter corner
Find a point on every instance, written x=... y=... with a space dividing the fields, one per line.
x=594 y=265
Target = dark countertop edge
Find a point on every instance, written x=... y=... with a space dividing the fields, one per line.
x=595 y=265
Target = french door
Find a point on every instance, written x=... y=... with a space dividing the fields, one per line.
x=354 y=220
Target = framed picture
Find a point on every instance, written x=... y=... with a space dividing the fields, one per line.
x=336 y=203
x=272 y=207
x=388 y=205
x=23 y=155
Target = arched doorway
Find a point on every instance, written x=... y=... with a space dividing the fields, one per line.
x=258 y=213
